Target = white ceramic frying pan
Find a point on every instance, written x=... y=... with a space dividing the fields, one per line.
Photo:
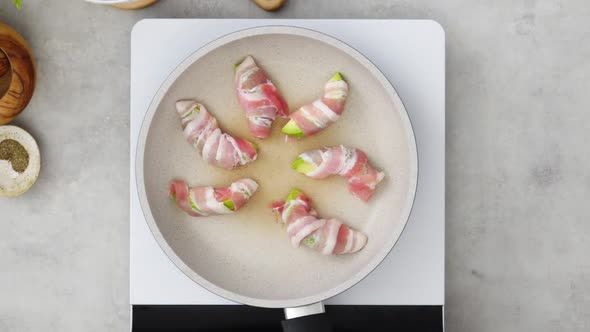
x=247 y=257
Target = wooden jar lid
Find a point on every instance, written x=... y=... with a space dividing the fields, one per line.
x=22 y=83
x=138 y=4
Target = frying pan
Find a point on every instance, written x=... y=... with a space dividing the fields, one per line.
x=246 y=257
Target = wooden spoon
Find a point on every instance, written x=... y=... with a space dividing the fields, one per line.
x=270 y=5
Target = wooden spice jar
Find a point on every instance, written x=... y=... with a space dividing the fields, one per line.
x=22 y=81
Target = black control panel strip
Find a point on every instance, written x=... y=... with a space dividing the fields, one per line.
x=344 y=318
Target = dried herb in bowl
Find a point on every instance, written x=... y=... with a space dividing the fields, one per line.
x=15 y=153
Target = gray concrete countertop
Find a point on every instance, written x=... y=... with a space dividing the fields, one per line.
x=518 y=236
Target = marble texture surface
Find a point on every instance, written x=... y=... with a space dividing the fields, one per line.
x=518 y=237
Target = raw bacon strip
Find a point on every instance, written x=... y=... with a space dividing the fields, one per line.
x=313 y=118
x=218 y=148
x=209 y=201
x=259 y=97
x=351 y=163
x=328 y=236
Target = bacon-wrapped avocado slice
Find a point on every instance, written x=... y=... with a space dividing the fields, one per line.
x=259 y=97
x=202 y=131
x=207 y=201
x=312 y=118
x=350 y=163
x=327 y=236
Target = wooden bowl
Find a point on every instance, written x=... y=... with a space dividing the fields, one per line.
x=22 y=82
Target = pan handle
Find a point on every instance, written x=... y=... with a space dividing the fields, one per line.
x=309 y=318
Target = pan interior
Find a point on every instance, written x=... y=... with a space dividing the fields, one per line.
x=247 y=256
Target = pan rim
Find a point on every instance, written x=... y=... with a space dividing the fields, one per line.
x=154 y=105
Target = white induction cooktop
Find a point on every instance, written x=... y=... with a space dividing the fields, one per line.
x=411 y=53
